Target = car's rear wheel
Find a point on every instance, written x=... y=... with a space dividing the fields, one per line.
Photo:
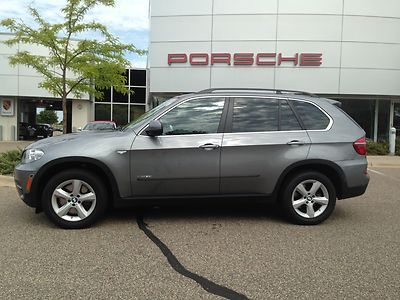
x=74 y=199
x=308 y=198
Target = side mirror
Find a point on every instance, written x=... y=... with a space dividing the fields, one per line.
x=80 y=129
x=155 y=128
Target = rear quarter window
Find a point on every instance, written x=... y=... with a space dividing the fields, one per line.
x=313 y=118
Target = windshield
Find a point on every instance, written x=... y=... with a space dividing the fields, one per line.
x=149 y=114
x=99 y=126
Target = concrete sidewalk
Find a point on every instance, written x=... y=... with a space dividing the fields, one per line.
x=384 y=161
x=6 y=181
x=7 y=146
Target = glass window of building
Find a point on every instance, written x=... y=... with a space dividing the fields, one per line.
x=124 y=108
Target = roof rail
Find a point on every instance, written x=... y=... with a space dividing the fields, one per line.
x=276 y=91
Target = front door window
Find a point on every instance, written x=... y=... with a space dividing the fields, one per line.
x=199 y=116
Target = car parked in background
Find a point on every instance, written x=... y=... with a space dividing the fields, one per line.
x=298 y=149
x=43 y=131
x=26 y=131
x=34 y=131
x=99 y=126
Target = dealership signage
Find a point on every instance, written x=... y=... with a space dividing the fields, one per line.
x=246 y=59
x=7 y=107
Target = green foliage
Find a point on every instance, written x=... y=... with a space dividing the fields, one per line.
x=47 y=116
x=72 y=66
x=381 y=148
x=8 y=161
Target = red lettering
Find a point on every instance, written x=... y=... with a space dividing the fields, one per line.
x=261 y=62
x=224 y=58
x=310 y=59
x=198 y=59
x=177 y=58
x=246 y=59
x=294 y=59
x=243 y=59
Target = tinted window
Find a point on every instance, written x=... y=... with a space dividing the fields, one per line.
x=138 y=77
x=255 y=114
x=199 y=116
x=312 y=117
x=139 y=95
x=288 y=118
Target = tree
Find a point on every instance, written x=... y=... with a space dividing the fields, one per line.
x=47 y=116
x=72 y=66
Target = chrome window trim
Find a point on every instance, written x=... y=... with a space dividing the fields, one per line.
x=195 y=97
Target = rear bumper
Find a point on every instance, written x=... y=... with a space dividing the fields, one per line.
x=354 y=191
x=356 y=178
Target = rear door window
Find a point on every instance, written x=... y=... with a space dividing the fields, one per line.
x=255 y=115
x=288 y=120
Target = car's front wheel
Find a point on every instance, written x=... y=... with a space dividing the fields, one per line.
x=74 y=199
x=308 y=198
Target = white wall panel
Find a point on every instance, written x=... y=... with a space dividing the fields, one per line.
x=245 y=7
x=180 y=29
x=381 y=82
x=385 y=8
x=8 y=85
x=314 y=80
x=311 y=27
x=5 y=67
x=310 y=6
x=242 y=77
x=180 y=7
x=330 y=50
x=371 y=55
x=27 y=71
x=159 y=51
x=244 y=27
x=4 y=49
x=28 y=86
x=179 y=79
x=244 y=46
x=370 y=29
x=34 y=49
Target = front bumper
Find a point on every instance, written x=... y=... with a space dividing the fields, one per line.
x=24 y=178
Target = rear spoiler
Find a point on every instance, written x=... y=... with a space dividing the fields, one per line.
x=334 y=102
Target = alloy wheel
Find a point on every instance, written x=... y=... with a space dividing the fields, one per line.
x=73 y=200
x=310 y=198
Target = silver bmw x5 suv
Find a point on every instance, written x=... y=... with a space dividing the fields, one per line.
x=296 y=148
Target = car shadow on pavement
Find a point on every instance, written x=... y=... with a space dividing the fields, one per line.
x=240 y=209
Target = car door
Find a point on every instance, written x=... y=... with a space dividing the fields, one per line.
x=263 y=137
x=185 y=159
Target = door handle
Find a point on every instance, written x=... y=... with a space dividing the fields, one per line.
x=296 y=142
x=209 y=146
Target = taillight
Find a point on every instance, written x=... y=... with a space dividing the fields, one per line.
x=360 y=146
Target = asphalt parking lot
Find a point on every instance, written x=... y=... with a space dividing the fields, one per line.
x=199 y=252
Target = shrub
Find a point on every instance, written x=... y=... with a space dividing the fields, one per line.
x=380 y=148
x=8 y=161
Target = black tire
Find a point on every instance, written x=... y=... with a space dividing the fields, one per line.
x=289 y=189
x=98 y=207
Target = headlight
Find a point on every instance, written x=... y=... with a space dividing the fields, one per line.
x=31 y=155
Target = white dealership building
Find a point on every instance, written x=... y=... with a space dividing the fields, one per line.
x=345 y=49
x=21 y=98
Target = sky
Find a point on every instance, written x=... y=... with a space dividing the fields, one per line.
x=127 y=20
